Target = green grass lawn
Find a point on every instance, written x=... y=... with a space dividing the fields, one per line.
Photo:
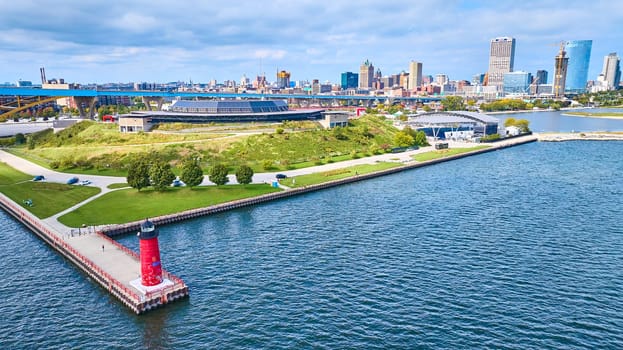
x=47 y=198
x=131 y=205
x=422 y=157
x=10 y=176
x=312 y=179
x=119 y=185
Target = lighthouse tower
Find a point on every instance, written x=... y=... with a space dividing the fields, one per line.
x=151 y=269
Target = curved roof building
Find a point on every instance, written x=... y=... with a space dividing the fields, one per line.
x=221 y=111
x=228 y=106
x=435 y=123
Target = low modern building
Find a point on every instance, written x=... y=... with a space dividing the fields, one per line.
x=220 y=111
x=334 y=118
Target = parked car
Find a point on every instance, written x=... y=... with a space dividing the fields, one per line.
x=72 y=180
x=38 y=178
x=281 y=176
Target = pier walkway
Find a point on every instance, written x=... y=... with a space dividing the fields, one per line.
x=107 y=262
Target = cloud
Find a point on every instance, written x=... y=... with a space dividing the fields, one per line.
x=158 y=40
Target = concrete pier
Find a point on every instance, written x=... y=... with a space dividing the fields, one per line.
x=107 y=262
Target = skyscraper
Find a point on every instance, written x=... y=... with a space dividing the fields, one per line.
x=579 y=54
x=501 y=60
x=366 y=75
x=349 y=80
x=283 y=79
x=560 y=72
x=415 y=75
x=612 y=71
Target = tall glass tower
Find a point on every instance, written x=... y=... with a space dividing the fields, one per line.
x=579 y=53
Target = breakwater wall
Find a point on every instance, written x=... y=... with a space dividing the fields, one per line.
x=114 y=230
x=99 y=272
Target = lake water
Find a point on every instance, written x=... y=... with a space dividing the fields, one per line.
x=515 y=249
x=555 y=121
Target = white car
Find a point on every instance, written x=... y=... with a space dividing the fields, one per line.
x=84 y=182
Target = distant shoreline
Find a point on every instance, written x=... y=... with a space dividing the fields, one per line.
x=535 y=110
x=595 y=115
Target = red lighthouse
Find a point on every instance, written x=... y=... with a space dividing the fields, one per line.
x=151 y=269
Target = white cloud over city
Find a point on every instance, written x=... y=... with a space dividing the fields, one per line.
x=122 y=41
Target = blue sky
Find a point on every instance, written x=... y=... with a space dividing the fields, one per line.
x=159 y=41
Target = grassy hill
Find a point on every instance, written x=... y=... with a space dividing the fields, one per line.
x=98 y=148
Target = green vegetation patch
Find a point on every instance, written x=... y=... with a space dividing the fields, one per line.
x=47 y=198
x=317 y=178
x=118 y=185
x=130 y=205
x=9 y=175
x=422 y=157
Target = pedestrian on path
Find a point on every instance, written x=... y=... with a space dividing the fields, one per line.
x=102 y=248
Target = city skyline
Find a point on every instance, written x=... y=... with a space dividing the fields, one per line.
x=156 y=42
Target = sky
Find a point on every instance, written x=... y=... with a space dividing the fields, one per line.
x=100 y=41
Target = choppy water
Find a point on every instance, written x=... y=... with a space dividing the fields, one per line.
x=515 y=249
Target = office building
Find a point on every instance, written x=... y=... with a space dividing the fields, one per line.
x=283 y=79
x=560 y=72
x=611 y=71
x=541 y=77
x=349 y=80
x=415 y=75
x=579 y=54
x=478 y=79
x=366 y=75
x=501 y=60
x=517 y=82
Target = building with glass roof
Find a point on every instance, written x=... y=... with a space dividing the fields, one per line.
x=220 y=111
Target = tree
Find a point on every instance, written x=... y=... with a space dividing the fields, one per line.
x=161 y=175
x=523 y=124
x=244 y=175
x=420 y=138
x=453 y=103
x=191 y=174
x=138 y=173
x=20 y=138
x=31 y=142
x=510 y=122
x=218 y=174
x=403 y=139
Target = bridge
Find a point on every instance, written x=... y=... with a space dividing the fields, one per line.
x=88 y=97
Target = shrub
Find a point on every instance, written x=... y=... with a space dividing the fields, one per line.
x=267 y=164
